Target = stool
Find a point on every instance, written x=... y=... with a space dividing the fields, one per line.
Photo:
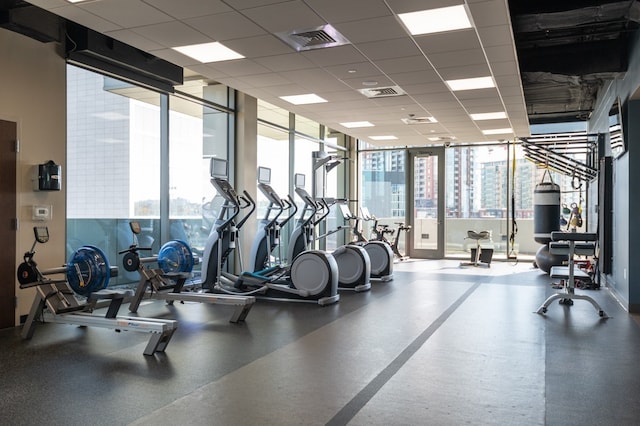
x=477 y=258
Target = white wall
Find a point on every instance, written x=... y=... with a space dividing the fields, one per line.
x=32 y=94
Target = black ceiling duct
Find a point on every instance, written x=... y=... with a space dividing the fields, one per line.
x=31 y=21
x=100 y=52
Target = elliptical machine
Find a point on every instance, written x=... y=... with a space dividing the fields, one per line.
x=380 y=253
x=269 y=233
x=354 y=264
x=311 y=277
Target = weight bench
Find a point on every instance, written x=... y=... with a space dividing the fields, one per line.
x=477 y=258
x=570 y=244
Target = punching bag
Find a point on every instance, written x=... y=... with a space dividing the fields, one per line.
x=546 y=210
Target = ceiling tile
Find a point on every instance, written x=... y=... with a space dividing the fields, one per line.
x=207 y=71
x=336 y=11
x=239 y=67
x=265 y=80
x=317 y=78
x=189 y=8
x=489 y=13
x=334 y=56
x=432 y=98
x=416 y=77
x=172 y=34
x=89 y=20
x=483 y=105
x=458 y=58
x=258 y=46
x=286 y=62
x=469 y=71
x=127 y=13
x=508 y=80
x=500 y=53
x=445 y=42
x=358 y=83
x=388 y=49
x=488 y=94
x=136 y=40
x=352 y=70
x=505 y=68
x=284 y=90
x=225 y=26
x=287 y=16
x=249 y=4
x=175 y=57
x=408 y=64
x=373 y=29
x=498 y=35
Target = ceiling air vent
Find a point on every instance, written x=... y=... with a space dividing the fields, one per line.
x=313 y=38
x=419 y=120
x=382 y=92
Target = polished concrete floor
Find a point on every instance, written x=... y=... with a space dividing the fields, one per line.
x=438 y=345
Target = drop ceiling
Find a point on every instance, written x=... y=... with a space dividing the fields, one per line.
x=380 y=54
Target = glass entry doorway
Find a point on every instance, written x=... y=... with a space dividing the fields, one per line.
x=426 y=203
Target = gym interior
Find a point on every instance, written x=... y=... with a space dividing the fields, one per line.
x=192 y=240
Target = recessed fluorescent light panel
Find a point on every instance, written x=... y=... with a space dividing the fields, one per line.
x=497 y=131
x=356 y=124
x=76 y=1
x=470 y=83
x=436 y=20
x=488 y=116
x=383 y=138
x=309 y=98
x=209 y=52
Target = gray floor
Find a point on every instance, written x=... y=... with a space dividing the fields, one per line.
x=438 y=345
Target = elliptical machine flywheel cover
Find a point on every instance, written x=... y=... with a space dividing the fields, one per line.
x=380 y=255
x=313 y=271
x=175 y=256
x=88 y=270
x=353 y=261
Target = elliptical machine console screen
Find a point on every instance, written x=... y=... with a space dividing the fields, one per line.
x=218 y=168
x=264 y=175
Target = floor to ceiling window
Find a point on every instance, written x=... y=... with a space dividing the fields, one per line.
x=115 y=164
x=382 y=190
x=487 y=189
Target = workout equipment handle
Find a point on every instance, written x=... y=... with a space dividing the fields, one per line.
x=134 y=248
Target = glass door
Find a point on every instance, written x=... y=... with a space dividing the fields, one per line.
x=426 y=203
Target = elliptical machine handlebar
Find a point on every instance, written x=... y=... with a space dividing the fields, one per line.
x=248 y=202
x=289 y=204
x=324 y=209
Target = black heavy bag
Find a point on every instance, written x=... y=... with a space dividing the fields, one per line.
x=546 y=209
